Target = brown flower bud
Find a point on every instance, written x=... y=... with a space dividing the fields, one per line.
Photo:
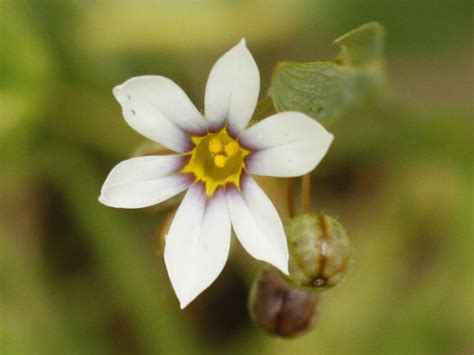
x=319 y=251
x=279 y=308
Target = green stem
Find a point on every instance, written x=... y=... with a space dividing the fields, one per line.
x=306 y=193
x=290 y=193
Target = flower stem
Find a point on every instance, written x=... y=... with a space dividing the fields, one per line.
x=306 y=193
x=290 y=192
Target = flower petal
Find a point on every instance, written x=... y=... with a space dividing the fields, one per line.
x=257 y=224
x=158 y=109
x=144 y=181
x=232 y=89
x=197 y=244
x=286 y=144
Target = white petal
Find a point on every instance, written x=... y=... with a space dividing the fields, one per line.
x=144 y=181
x=257 y=224
x=286 y=144
x=197 y=244
x=232 y=89
x=158 y=109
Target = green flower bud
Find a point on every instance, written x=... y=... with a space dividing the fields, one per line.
x=280 y=309
x=319 y=251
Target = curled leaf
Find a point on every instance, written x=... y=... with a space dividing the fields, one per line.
x=324 y=90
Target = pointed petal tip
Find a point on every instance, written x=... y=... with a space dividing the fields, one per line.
x=117 y=92
x=184 y=303
x=285 y=269
x=103 y=200
x=106 y=202
x=242 y=46
x=281 y=264
x=329 y=134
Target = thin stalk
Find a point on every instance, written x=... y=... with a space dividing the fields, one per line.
x=306 y=193
x=290 y=194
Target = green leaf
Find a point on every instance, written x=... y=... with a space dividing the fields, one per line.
x=324 y=90
x=362 y=46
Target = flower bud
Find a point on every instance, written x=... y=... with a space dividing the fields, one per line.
x=319 y=251
x=280 y=309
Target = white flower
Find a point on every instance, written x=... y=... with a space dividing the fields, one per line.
x=216 y=156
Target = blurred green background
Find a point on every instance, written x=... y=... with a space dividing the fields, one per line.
x=77 y=277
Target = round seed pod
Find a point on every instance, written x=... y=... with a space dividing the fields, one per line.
x=319 y=251
x=279 y=308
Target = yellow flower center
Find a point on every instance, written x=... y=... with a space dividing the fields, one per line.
x=216 y=159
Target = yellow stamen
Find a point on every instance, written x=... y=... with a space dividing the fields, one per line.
x=220 y=160
x=232 y=148
x=217 y=159
x=215 y=145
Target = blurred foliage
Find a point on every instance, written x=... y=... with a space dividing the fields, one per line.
x=78 y=277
